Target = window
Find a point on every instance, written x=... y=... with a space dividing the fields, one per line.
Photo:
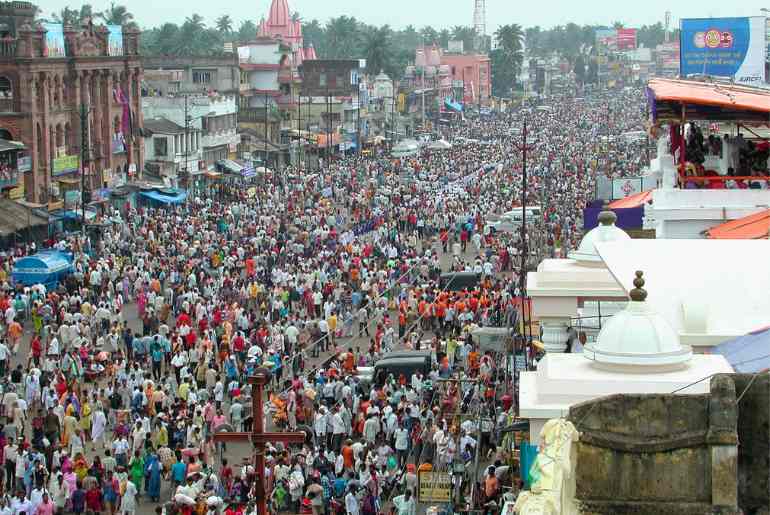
x=6 y=91
x=322 y=79
x=161 y=147
x=201 y=77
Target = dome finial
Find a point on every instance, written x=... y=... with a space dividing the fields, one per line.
x=638 y=294
x=607 y=216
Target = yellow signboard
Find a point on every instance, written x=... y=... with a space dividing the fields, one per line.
x=434 y=487
x=17 y=192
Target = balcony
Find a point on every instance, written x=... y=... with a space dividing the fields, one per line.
x=256 y=115
x=287 y=75
x=8 y=47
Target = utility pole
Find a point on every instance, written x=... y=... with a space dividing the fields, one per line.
x=524 y=247
x=264 y=164
x=358 y=120
x=83 y=161
x=190 y=182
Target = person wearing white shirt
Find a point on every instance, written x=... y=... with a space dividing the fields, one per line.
x=351 y=503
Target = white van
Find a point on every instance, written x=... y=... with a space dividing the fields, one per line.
x=512 y=220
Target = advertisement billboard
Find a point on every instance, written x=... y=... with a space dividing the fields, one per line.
x=65 y=164
x=115 y=39
x=723 y=47
x=54 y=40
x=626 y=39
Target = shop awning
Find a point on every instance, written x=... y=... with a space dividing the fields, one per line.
x=752 y=227
x=167 y=196
x=230 y=166
x=6 y=145
x=747 y=354
x=14 y=217
x=707 y=101
x=636 y=200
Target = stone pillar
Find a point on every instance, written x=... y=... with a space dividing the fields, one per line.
x=722 y=438
x=555 y=334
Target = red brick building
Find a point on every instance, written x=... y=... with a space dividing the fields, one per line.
x=474 y=72
x=47 y=73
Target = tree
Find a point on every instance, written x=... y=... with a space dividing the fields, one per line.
x=617 y=25
x=224 y=24
x=580 y=69
x=443 y=38
x=342 y=37
x=247 y=30
x=465 y=34
x=67 y=16
x=117 y=15
x=377 y=49
x=313 y=33
x=429 y=35
x=533 y=37
x=507 y=58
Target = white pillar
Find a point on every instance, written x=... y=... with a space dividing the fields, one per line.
x=555 y=335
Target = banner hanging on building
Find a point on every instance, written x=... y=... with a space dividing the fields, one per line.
x=724 y=47
x=115 y=39
x=65 y=164
x=625 y=39
x=54 y=40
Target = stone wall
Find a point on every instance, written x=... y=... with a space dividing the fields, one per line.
x=658 y=454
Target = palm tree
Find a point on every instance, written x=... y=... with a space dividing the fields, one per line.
x=247 y=30
x=510 y=38
x=429 y=35
x=194 y=22
x=443 y=38
x=117 y=15
x=224 y=24
x=465 y=34
x=67 y=16
x=377 y=48
x=342 y=37
x=617 y=25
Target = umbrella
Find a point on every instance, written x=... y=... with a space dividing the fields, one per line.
x=749 y=353
x=440 y=145
x=262 y=169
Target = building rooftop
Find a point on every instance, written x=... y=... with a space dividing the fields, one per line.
x=162 y=126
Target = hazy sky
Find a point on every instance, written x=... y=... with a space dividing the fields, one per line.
x=399 y=13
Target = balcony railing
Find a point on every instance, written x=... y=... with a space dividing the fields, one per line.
x=255 y=115
x=7 y=105
x=7 y=47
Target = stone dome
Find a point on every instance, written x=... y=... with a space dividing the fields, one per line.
x=638 y=338
x=605 y=231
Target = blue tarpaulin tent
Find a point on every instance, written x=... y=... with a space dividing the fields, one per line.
x=165 y=197
x=47 y=267
x=454 y=106
x=747 y=354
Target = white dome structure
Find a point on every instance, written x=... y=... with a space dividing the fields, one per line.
x=638 y=339
x=606 y=231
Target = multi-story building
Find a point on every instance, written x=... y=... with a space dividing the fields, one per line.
x=210 y=120
x=176 y=75
x=48 y=73
x=170 y=149
x=270 y=84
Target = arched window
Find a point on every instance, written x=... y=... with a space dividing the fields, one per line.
x=6 y=135
x=59 y=137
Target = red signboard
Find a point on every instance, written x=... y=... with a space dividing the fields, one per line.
x=626 y=39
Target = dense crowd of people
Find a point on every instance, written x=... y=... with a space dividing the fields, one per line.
x=115 y=382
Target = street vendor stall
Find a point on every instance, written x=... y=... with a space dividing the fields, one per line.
x=46 y=267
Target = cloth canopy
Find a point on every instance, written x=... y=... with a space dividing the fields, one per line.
x=747 y=354
x=636 y=200
x=15 y=217
x=752 y=227
x=230 y=166
x=707 y=101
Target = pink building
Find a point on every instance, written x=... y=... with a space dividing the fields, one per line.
x=474 y=71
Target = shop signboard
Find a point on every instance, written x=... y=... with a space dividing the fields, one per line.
x=65 y=164
x=622 y=188
x=625 y=39
x=434 y=487
x=24 y=163
x=733 y=48
x=54 y=40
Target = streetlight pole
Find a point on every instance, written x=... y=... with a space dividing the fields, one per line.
x=264 y=164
